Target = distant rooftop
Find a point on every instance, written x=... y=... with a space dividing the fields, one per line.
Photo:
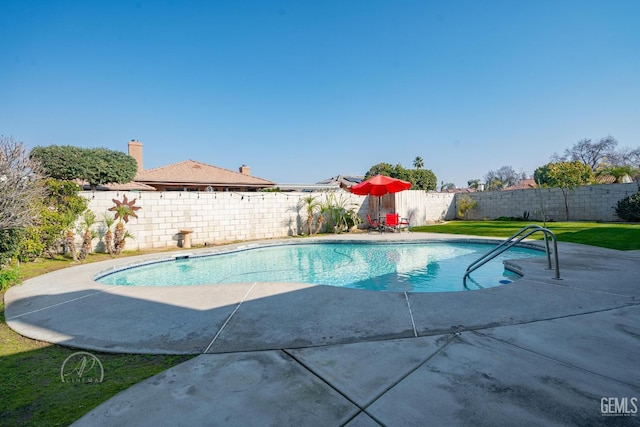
x=343 y=181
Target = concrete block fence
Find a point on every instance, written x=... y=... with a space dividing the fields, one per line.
x=586 y=203
x=213 y=218
x=224 y=217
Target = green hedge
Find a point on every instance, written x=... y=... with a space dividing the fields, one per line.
x=629 y=208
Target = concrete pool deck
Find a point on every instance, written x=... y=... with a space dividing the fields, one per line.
x=538 y=351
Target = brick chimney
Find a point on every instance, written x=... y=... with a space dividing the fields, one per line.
x=135 y=151
x=245 y=170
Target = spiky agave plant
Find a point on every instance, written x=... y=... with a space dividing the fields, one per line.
x=88 y=235
x=123 y=209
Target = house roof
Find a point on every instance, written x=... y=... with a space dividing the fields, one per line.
x=610 y=179
x=344 y=181
x=524 y=184
x=129 y=186
x=192 y=172
x=459 y=190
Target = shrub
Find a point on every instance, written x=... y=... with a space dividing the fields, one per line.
x=9 y=245
x=465 y=204
x=8 y=278
x=31 y=245
x=629 y=208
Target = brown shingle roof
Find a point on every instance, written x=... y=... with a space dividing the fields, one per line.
x=524 y=184
x=192 y=172
x=129 y=186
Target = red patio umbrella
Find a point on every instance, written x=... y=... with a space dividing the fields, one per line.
x=380 y=185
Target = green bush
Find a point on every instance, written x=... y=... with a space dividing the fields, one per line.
x=9 y=245
x=629 y=208
x=31 y=246
x=465 y=204
x=8 y=278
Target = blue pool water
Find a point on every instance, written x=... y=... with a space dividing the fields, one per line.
x=396 y=267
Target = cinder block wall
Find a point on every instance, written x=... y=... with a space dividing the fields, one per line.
x=587 y=203
x=214 y=218
x=222 y=217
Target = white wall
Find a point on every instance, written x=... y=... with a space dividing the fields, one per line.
x=587 y=203
x=214 y=218
x=222 y=217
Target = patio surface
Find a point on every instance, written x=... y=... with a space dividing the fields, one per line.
x=538 y=351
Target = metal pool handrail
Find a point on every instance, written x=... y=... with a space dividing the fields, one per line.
x=514 y=240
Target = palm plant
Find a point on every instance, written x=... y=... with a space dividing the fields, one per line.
x=418 y=163
x=123 y=209
x=69 y=235
x=311 y=206
x=88 y=235
x=70 y=243
x=108 y=235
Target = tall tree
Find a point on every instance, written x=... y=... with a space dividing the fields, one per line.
x=418 y=163
x=444 y=186
x=420 y=179
x=380 y=169
x=501 y=178
x=21 y=185
x=590 y=153
x=625 y=157
x=94 y=165
x=566 y=176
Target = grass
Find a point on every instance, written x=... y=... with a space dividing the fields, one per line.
x=32 y=394
x=621 y=236
x=31 y=391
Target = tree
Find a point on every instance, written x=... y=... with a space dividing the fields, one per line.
x=311 y=207
x=95 y=165
x=59 y=209
x=63 y=162
x=21 y=186
x=473 y=183
x=618 y=172
x=504 y=177
x=418 y=163
x=444 y=186
x=123 y=210
x=590 y=153
x=108 y=166
x=380 y=169
x=420 y=179
x=564 y=175
x=423 y=179
x=627 y=157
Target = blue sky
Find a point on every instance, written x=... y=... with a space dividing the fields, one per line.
x=304 y=90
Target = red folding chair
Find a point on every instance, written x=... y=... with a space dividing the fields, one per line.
x=373 y=225
x=392 y=221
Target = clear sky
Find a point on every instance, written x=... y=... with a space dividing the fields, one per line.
x=304 y=90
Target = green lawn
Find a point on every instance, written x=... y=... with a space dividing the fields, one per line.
x=622 y=236
x=31 y=391
x=32 y=394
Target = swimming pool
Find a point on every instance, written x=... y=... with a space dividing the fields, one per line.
x=395 y=267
